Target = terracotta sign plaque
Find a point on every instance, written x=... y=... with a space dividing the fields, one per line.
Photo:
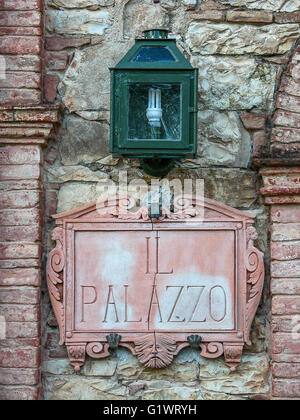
x=190 y=278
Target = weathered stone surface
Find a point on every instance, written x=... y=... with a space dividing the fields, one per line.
x=106 y=367
x=150 y=15
x=70 y=4
x=61 y=174
x=234 y=83
x=80 y=388
x=83 y=141
x=75 y=194
x=275 y=5
x=80 y=91
x=58 y=367
x=233 y=39
x=183 y=369
x=222 y=140
x=77 y=22
x=234 y=187
x=250 y=378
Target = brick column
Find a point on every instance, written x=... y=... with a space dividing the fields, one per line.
x=23 y=133
x=282 y=193
x=25 y=127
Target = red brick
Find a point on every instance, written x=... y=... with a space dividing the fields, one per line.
x=20 y=45
x=13 y=376
x=58 y=43
x=286 y=370
x=25 y=234
x=23 y=63
x=56 y=60
x=19 y=80
x=19 y=393
x=285 y=286
x=287 y=119
x=20 y=277
x=20 y=217
x=286 y=358
x=253 y=121
x=20 y=96
x=16 y=172
x=285 y=251
x=21 y=4
x=20 y=342
x=20 y=185
x=19 y=199
x=20 y=313
x=259 y=143
x=290 y=86
x=285 y=135
x=51 y=82
x=285 y=323
x=285 y=214
x=239 y=16
x=286 y=388
x=294 y=70
x=293 y=17
x=46 y=116
x=285 y=231
x=286 y=305
x=288 y=103
x=16 y=251
x=20 y=358
x=6 y=116
x=285 y=343
x=285 y=269
x=20 y=155
x=22 y=295
x=24 y=18
x=21 y=30
x=50 y=203
x=22 y=330
x=17 y=129
x=20 y=263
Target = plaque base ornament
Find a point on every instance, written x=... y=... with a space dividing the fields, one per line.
x=192 y=277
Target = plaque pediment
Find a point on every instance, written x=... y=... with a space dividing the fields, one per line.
x=124 y=208
x=192 y=277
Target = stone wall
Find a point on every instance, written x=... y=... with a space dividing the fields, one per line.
x=241 y=49
x=246 y=53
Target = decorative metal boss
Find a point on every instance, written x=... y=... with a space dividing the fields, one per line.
x=154 y=104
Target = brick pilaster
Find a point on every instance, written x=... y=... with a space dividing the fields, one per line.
x=23 y=133
x=282 y=192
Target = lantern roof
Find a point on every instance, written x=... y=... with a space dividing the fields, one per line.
x=156 y=51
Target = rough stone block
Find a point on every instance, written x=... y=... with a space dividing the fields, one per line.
x=239 y=16
x=232 y=39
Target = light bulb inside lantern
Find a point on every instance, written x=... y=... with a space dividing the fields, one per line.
x=154 y=111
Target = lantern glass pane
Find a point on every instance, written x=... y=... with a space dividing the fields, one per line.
x=154 y=111
x=154 y=55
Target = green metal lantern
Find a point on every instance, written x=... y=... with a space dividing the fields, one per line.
x=154 y=104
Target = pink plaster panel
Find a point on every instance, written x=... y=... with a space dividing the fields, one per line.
x=157 y=285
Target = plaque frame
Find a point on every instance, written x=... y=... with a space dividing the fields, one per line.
x=120 y=214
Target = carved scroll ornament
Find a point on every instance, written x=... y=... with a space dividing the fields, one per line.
x=204 y=315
